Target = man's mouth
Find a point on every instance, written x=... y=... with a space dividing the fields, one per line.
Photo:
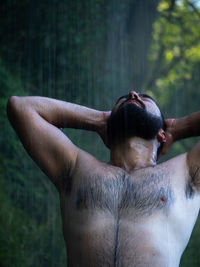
x=136 y=102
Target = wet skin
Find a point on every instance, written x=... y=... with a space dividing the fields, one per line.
x=129 y=212
x=115 y=218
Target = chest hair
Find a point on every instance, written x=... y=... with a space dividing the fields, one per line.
x=144 y=193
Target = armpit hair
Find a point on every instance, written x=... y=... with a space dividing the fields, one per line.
x=193 y=183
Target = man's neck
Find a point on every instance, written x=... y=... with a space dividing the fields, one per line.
x=134 y=153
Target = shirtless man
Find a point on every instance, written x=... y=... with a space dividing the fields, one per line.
x=130 y=212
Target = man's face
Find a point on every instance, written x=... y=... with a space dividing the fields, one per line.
x=141 y=100
x=134 y=115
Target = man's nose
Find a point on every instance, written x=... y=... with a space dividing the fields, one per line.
x=133 y=94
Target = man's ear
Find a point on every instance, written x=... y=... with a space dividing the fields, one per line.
x=161 y=136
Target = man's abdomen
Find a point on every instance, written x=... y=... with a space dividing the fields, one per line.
x=100 y=240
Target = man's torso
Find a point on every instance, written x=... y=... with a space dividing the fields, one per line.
x=115 y=218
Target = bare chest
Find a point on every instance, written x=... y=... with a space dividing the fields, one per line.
x=113 y=210
x=142 y=193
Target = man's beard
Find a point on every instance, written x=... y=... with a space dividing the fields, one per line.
x=131 y=120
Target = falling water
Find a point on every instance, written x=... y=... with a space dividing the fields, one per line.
x=90 y=53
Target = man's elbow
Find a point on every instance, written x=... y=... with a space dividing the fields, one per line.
x=13 y=107
x=12 y=103
x=12 y=100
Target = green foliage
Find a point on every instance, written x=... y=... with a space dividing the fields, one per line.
x=174 y=57
x=20 y=235
x=23 y=229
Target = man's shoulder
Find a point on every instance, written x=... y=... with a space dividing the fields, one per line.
x=179 y=170
x=87 y=160
x=176 y=167
x=89 y=165
x=177 y=163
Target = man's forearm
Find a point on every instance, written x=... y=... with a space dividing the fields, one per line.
x=60 y=113
x=187 y=126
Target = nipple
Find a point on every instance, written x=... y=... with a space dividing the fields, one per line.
x=163 y=199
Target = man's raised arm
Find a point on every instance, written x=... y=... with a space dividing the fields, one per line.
x=180 y=128
x=36 y=121
x=188 y=126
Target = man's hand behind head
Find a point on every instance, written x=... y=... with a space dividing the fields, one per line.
x=170 y=136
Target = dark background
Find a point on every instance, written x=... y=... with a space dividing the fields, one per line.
x=87 y=52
